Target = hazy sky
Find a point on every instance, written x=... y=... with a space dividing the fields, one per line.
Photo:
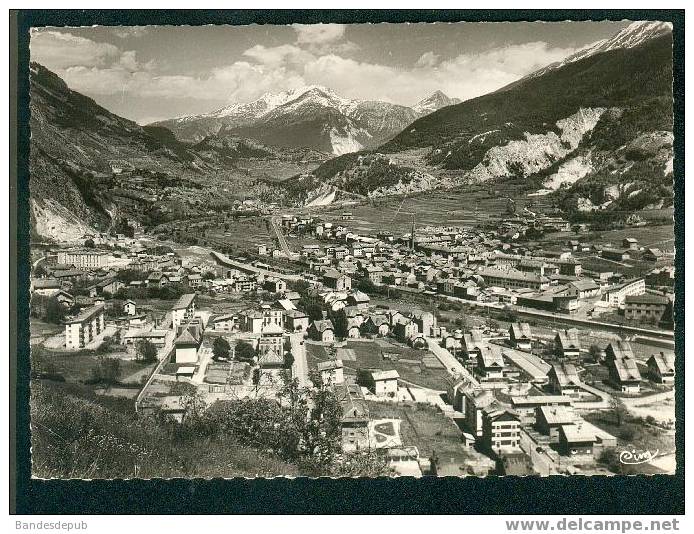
x=154 y=72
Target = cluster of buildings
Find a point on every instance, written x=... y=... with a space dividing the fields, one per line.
x=543 y=422
x=487 y=267
x=515 y=396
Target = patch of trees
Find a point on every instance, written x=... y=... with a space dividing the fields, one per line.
x=302 y=425
x=107 y=372
x=168 y=292
x=244 y=351
x=221 y=348
x=48 y=309
x=130 y=275
x=145 y=351
x=77 y=433
x=121 y=226
x=615 y=130
x=340 y=322
x=379 y=173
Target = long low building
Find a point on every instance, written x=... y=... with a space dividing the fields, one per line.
x=615 y=295
x=84 y=327
x=535 y=367
x=513 y=279
x=84 y=259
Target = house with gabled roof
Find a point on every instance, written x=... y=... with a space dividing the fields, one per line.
x=157 y=279
x=353 y=327
x=186 y=346
x=472 y=344
x=653 y=254
x=46 y=286
x=355 y=417
x=564 y=380
x=359 y=299
x=322 y=330
x=331 y=372
x=661 y=368
x=227 y=322
x=645 y=307
x=184 y=309
x=381 y=383
x=576 y=440
x=618 y=349
x=584 y=288
x=129 y=307
x=336 y=280
x=296 y=321
x=377 y=325
x=567 y=344
x=549 y=420
x=625 y=374
x=270 y=357
x=425 y=321
x=475 y=401
x=490 y=363
x=417 y=341
x=404 y=330
x=521 y=336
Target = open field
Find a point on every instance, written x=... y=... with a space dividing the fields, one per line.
x=275 y=170
x=661 y=236
x=244 y=233
x=658 y=235
x=39 y=330
x=423 y=426
x=416 y=367
x=463 y=207
x=77 y=366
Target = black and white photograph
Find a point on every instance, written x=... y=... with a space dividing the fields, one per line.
x=362 y=250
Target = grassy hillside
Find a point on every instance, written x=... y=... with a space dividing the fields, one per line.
x=77 y=434
x=622 y=78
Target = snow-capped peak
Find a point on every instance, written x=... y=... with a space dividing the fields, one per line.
x=437 y=100
x=270 y=101
x=633 y=35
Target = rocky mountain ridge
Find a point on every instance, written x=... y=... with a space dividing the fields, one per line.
x=312 y=116
x=572 y=130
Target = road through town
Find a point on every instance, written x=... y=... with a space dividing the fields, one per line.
x=300 y=365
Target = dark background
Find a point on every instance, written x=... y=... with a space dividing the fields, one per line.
x=658 y=494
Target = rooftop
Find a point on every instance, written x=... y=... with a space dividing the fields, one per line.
x=557 y=415
x=184 y=301
x=385 y=375
x=646 y=298
x=86 y=314
x=329 y=365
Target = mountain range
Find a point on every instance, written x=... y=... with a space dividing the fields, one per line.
x=637 y=33
x=594 y=131
x=313 y=116
x=88 y=165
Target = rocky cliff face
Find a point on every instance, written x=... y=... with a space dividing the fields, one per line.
x=635 y=176
x=537 y=152
x=577 y=129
